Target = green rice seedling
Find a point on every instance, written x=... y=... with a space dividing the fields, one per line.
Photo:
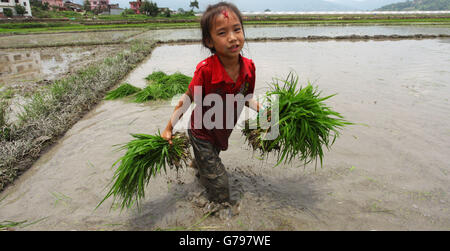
x=177 y=83
x=306 y=124
x=156 y=76
x=164 y=87
x=151 y=92
x=146 y=156
x=144 y=95
x=123 y=90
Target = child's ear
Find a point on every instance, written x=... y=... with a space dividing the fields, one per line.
x=209 y=43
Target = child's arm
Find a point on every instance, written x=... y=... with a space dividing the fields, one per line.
x=253 y=104
x=178 y=112
x=256 y=106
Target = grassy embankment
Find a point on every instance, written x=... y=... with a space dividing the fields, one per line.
x=142 y=22
x=52 y=110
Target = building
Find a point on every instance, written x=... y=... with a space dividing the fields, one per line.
x=54 y=3
x=136 y=6
x=99 y=4
x=114 y=9
x=73 y=6
x=11 y=3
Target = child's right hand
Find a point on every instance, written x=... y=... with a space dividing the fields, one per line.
x=167 y=135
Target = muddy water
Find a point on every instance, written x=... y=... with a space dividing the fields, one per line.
x=303 y=31
x=30 y=65
x=390 y=174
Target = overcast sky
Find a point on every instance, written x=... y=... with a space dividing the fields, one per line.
x=277 y=5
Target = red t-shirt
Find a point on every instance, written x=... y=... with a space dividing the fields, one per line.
x=210 y=78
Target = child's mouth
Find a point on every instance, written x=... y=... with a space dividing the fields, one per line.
x=234 y=48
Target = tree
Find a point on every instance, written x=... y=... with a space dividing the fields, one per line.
x=20 y=10
x=194 y=5
x=45 y=6
x=127 y=12
x=149 y=8
x=8 y=12
x=167 y=13
x=86 y=5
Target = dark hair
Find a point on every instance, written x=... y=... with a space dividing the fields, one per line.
x=209 y=16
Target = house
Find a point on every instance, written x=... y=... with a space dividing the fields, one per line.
x=99 y=4
x=136 y=6
x=164 y=10
x=9 y=4
x=54 y=3
x=114 y=9
x=73 y=6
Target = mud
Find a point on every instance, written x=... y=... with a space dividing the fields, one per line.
x=24 y=69
x=390 y=174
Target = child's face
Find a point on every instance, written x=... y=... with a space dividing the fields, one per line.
x=227 y=35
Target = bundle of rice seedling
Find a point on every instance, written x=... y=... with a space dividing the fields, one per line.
x=156 y=76
x=145 y=157
x=163 y=87
x=176 y=83
x=122 y=91
x=151 y=92
x=306 y=124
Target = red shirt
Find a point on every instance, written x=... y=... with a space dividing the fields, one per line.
x=211 y=78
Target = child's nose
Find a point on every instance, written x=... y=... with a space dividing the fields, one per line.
x=232 y=37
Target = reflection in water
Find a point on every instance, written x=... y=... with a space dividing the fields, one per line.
x=19 y=65
x=33 y=65
x=304 y=31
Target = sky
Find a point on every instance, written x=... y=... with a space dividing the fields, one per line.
x=278 y=5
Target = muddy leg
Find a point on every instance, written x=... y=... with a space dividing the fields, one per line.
x=194 y=166
x=212 y=173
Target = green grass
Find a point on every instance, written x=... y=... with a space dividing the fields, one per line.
x=4 y=105
x=306 y=124
x=146 y=156
x=81 y=27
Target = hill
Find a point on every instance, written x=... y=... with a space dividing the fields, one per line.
x=427 y=5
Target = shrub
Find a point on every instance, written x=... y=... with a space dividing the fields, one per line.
x=8 y=12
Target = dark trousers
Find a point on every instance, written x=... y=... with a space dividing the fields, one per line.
x=212 y=173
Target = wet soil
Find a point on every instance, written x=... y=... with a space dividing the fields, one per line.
x=390 y=174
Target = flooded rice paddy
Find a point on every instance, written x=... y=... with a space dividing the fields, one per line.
x=59 y=38
x=35 y=64
x=21 y=66
x=252 y=32
x=391 y=173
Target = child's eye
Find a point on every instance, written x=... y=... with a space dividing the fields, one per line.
x=221 y=33
x=237 y=29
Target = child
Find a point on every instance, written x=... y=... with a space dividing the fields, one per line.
x=225 y=72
